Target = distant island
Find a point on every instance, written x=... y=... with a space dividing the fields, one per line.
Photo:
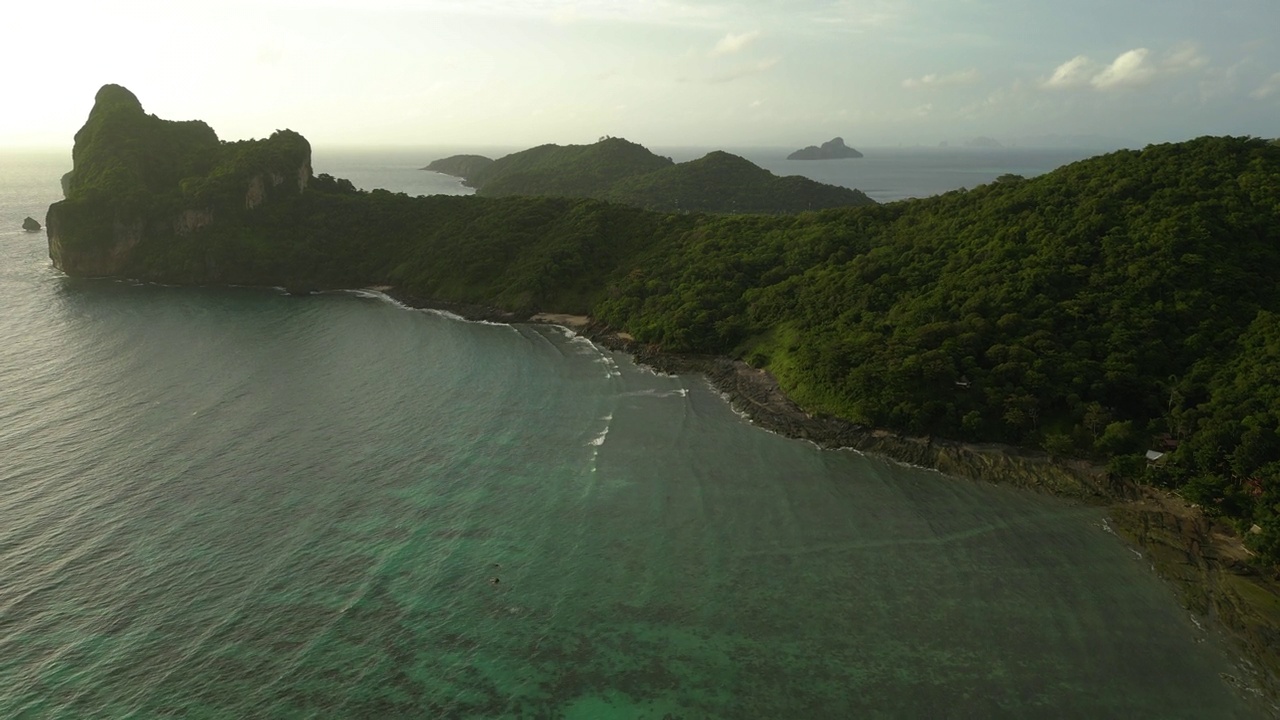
x=460 y=166
x=30 y=224
x=833 y=149
x=620 y=171
x=1108 y=331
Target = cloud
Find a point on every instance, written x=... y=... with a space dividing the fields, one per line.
x=1185 y=57
x=733 y=43
x=672 y=13
x=1217 y=83
x=1128 y=70
x=268 y=56
x=964 y=77
x=851 y=15
x=743 y=71
x=1075 y=71
x=1267 y=89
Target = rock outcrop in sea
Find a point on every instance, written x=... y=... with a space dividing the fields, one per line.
x=120 y=197
x=833 y=149
x=31 y=224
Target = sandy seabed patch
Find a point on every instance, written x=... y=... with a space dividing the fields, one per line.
x=573 y=322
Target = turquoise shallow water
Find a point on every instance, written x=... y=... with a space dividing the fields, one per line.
x=227 y=503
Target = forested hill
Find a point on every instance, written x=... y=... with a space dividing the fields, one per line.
x=1120 y=304
x=461 y=166
x=720 y=182
x=621 y=171
x=567 y=171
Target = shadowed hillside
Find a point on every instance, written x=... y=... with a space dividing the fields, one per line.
x=620 y=171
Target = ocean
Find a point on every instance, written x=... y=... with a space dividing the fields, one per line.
x=235 y=503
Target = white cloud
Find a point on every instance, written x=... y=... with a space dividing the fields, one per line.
x=855 y=15
x=736 y=72
x=964 y=77
x=1128 y=70
x=742 y=71
x=1075 y=71
x=561 y=12
x=1185 y=57
x=733 y=43
x=1133 y=68
x=1217 y=83
x=1267 y=89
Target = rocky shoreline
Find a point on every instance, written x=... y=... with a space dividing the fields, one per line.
x=1205 y=561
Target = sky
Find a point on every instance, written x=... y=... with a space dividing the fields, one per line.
x=663 y=73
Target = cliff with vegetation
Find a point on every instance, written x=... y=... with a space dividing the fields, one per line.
x=1116 y=306
x=624 y=172
x=139 y=181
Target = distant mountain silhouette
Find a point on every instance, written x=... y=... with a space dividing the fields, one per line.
x=833 y=149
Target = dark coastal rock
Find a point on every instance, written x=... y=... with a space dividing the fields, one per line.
x=31 y=225
x=833 y=149
x=1210 y=569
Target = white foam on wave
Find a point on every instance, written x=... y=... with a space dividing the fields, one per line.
x=372 y=294
x=149 y=283
x=598 y=440
x=508 y=326
x=587 y=347
x=654 y=392
x=610 y=366
x=655 y=373
x=445 y=314
x=734 y=408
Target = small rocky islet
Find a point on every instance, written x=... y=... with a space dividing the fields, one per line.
x=833 y=149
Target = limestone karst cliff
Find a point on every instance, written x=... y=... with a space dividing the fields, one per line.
x=138 y=179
